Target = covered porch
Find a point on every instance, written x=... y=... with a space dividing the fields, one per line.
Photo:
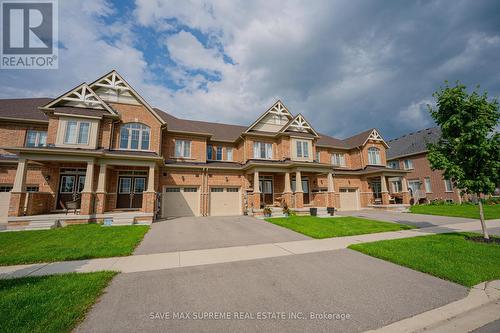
x=83 y=187
x=389 y=189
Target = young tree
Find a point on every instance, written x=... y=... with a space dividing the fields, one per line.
x=468 y=151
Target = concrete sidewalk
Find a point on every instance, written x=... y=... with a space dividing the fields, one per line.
x=160 y=261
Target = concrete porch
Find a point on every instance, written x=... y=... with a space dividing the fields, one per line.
x=51 y=221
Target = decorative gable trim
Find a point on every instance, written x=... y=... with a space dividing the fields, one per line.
x=80 y=97
x=375 y=136
x=115 y=81
x=299 y=124
x=278 y=109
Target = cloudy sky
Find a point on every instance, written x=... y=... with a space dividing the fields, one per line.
x=346 y=65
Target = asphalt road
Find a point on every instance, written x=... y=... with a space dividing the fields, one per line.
x=370 y=292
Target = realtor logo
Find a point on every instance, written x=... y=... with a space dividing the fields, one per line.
x=29 y=34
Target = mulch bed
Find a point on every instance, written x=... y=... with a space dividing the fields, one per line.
x=481 y=239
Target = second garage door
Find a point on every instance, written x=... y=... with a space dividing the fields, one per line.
x=349 y=199
x=225 y=201
x=180 y=201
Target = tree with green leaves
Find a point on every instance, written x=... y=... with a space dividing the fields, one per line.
x=468 y=151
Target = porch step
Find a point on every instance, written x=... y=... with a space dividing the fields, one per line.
x=35 y=225
x=123 y=220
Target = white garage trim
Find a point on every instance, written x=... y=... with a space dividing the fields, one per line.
x=225 y=201
x=178 y=201
x=349 y=198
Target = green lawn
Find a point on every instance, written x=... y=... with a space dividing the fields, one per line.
x=69 y=243
x=466 y=210
x=55 y=303
x=317 y=227
x=448 y=256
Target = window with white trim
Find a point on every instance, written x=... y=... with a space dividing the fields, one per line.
x=6 y=188
x=448 y=185
x=32 y=188
x=338 y=159
x=408 y=164
x=302 y=148
x=36 y=138
x=77 y=132
x=318 y=156
x=229 y=154
x=263 y=150
x=218 y=153
x=393 y=164
x=183 y=148
x=134 y=136
x=210 y=152
x=427 y=184
x=374 y=156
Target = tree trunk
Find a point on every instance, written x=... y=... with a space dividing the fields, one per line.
x=481 y=217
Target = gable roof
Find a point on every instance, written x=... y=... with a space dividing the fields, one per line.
x=23 y=109
x=300 y=124
x=81 y=96
x=113 y=80
x=412 y=143
x=361 y=138
x=278 y=108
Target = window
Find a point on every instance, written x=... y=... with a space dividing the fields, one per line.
x=134 y=136
x=408 y=164
x=427 y=183
x=414 y=186
x=393 y=164
x=373 y=156
x=302 y=149
x=263 y=150
x=36 y=138
x=396 y=186
x=216 y=189
x=125 y=185
x=32 y=188
x=77 y=132
x=232 y=189
x=190 y=189
x=338 y=159
x=172 y=189
x=318 y=156
x=67 y=184
x=6 y=188
x=182 y=148
x=218 y=153
x=229 y=153
x=210 y=151
x=448 y=186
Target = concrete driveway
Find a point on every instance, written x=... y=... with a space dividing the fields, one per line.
x=417 y=220
x=196 y=233
x=372 y=292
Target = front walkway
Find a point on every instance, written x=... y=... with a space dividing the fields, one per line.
x=168 y=260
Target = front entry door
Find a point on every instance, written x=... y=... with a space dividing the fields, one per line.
x=305 y=188
x=70 y=187
x=266 y=188
x=377 y=190
x=130 y=192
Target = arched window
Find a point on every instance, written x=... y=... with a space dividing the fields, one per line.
x=374 y=156
x=134 y=136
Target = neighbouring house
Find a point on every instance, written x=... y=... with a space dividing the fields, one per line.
x=101 y=149
x=409 y=152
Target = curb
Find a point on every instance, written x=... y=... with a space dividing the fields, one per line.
x=477 y=309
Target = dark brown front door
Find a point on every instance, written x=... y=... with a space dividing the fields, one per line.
x=266 y=189
x=305 y=188
x=70 y=187
x=130 y=192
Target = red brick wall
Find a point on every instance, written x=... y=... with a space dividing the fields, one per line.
x=14 y=134
x=198 y=147
x=52 y=130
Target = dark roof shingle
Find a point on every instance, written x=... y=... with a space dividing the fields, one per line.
x=412 y=143
x=23 y=108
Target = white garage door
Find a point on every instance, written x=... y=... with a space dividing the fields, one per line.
x=349 y=199
x=180 y=201
x=4 y=206
x=225 y=201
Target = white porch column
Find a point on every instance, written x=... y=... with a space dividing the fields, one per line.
x=383 y=184
x=298 y=182
x=404 y=184
x=330 y=182
x=256 y=187
x=151 y=178
x=288 y=188
x=20 y=180
x=101 y=183
x=89 y=177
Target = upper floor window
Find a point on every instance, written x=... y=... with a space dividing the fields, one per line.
x=338 y=159
x=36 y=138
x=77 y=132
x=229 y=154
x=448 y=186
x=218 y=153
x=374 y=156
x=263 y=150
x=134 y=136
x=408 y=164
x=302 y=149
x=210 y=152
x=182 y=148
x=318 y=156
x=427 y=183
x=393 y=164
